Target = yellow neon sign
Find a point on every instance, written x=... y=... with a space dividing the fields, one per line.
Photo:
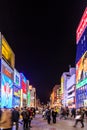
x=7 y=53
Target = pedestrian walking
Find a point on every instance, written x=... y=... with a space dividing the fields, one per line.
x=15 y=117
x=73 y=112
x=79 y=118
x=54 y=115
x=25 y=118
x=6 y=119
x=48 y=115
x=30 y=116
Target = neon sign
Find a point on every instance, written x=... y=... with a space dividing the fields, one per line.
x=23 y=83
x=7 y=53
x=82 y=26
x=17 y=78
x=7 y=70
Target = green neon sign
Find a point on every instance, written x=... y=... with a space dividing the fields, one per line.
x=82 y=83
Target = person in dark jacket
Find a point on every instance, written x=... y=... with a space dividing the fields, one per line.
x=73 y=112
x=0 y=113
x=48 y=114
x=54 y=115
x=25 y=116
x=15 y=116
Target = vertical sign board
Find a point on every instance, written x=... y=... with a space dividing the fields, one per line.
x=0 y=69
x=0 y=83
x=7 y=53
x=6 y=85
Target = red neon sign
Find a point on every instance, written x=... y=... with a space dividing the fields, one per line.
x=82 y=26
x=24 y=87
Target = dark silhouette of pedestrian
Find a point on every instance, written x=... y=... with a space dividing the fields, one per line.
x=54 y=115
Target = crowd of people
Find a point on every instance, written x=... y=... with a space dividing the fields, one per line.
x=24 y=116
x=9 y=117
x=65 y=113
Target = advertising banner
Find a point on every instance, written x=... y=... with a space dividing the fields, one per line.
x=6 y=91
x=0 y=83
x=81 y=71
x=23 y=83
x=17 y=79
x=0 y=46
x=82 y=26
x=81 y=95
x=7 y=53
x=16 y=101
x=6 y=69
x=16 y=91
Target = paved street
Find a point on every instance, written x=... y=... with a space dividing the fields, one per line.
x=38 y=123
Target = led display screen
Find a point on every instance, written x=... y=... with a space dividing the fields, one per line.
x=81 y=95
x=82 y=26
x=6 y=69
x=16 y=91
x=28 y=99
x=0 y=83
x=81 y=71
x=6 y=91
x=81 y=46
x=23 y=83
x=16 y=101
x=17 y=78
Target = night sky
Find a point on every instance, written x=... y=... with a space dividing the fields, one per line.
x=42 y=36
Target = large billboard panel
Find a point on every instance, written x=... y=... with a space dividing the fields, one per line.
x=16 y=101
x=17 y=79
x=6 y=69
x=23 y=83
x=6 y=91
x=81 y=71
x=81 y=96
x=16 y=91
x=81 y=46
x=7 y=53
x=0 y=46
x=82 y=26
x=0 y=83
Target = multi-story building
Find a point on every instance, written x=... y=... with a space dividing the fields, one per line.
x=71 y=85
x=65 y=76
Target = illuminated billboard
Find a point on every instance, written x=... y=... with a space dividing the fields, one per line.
x=6 y=92
x=81 y=71
x=81 y=96
x=17 y=78
x=28 y=98
x=6 y=69
x=16 y=92
x=16 y=101
x=23 y=83
x=0 y=45
x=82 y=26
x=7 y=53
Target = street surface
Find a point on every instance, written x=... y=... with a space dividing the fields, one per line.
x=38 y=123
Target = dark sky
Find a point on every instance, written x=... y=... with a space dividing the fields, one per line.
x=42 y=36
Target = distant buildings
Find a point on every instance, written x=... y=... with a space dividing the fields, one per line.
x=73 y=86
